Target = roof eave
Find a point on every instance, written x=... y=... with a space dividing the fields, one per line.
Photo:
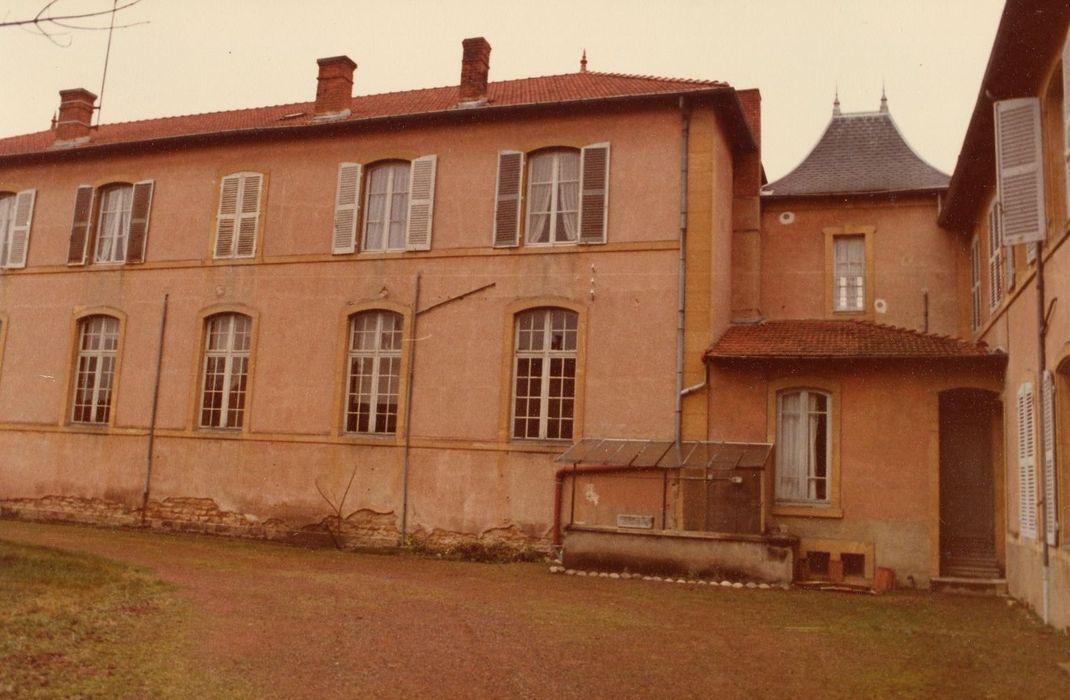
x=743 y=138
x=1029 y=32
x=860 y=193
x=715 y=357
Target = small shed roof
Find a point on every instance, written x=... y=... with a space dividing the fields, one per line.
x=663 y=453
x=817 y=338
x=859 y=153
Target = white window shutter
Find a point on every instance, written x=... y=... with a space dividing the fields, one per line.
x=227 y=219
x=1027 y=473
x=1047 y=426
x=975 y=283
x=346 y=208
x=995 y=260
x=141 y=205
x=594 y=193
x=1020 y=171
x=1008 y=263
x=249 y=216
x=507 y=199
x=421 y=203
x=20 y=232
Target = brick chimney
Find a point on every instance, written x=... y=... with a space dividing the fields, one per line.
x=75 y=114
x=334 y=89
x=475 y=65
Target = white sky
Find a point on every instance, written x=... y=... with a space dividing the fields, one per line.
x=210 y=55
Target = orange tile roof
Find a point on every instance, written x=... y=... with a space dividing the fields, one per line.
x=546 y=90
x=837 y=339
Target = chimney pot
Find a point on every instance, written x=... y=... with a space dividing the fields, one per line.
x=75 y=114
x=475 y=66
x=334 y=87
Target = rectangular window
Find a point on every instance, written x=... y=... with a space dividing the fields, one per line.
x=374 y=369
x=996 y=260
x=975 y=283
x=228 y=339
x=803 y=447
x=98 y=342
x=113 y=225
x=849 y=273
x=544 y=372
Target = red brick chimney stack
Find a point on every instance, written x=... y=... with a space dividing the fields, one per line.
x=334 y=89
x=75 y=114
x=475 y=65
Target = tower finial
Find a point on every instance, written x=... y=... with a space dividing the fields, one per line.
x=884 y=98
x=583 y=62
x=836 y=102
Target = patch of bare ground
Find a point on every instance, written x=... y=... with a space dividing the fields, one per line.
x=296 y=623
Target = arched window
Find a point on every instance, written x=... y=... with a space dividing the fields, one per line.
x=98 y=343
x=111 y=223
x=803 y=461
x=386 y=206
x=227 y=343
x=544 y=371
x=553 y=196
x=373 y=369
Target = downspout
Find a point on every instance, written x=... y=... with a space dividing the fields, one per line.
x=1042 y=496
x=685 y=130
x=408 y=416
x=152 y=414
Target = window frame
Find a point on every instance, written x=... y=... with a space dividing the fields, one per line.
x=553 y=212
x=976 y=315
x=997 y=259
x=120 y=229
x=508 y=377
x=376 y=355
x=101 y=356
x=71 y=382
x=831 y=507
x=201 y=375
x=832 y=233
x=370 y=170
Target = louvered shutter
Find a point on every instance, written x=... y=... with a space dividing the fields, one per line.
x=226 y=221
x=139 y=221
x=346 y=208
x=1019 y=165
x=20 y=231
x=421 y=203
x=1027 y=473
x=594 y=193
x=1047 y=425
x=249 y=215
x=1066 y=123
x=507 y=199
x=1008 y=263
x=83 y=211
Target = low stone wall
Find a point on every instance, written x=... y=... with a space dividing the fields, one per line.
x=363 y=528
x=692 y=554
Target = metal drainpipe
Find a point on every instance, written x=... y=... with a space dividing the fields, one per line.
x=152 y=415
x=1042 y=496
x=408 y=416
x=685 y=129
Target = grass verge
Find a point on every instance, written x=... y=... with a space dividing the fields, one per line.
x=74 y=625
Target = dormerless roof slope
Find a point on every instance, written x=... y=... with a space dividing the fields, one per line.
x=587 y=86
x=817 y=339
x=860 y=152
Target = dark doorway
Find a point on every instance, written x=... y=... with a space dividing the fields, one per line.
x=967 y=496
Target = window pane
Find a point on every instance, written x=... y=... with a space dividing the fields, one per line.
x=228 y=340
x=544 y=386
x=95 y=369
x=374 y=368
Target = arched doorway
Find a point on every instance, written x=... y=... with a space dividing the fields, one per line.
x=967 y=484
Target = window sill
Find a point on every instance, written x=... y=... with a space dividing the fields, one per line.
x=814 y=511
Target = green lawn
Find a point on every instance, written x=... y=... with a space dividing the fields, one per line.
x=74 y=625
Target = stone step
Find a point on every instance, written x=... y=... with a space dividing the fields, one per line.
x=969 y=585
